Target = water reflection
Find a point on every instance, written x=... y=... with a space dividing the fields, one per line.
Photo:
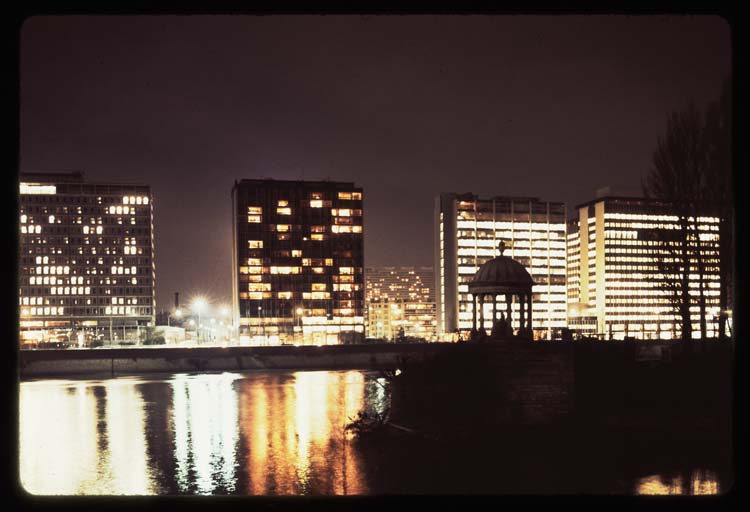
x=258 y=433
x=204 y=412
x=68 y=447
x=693 y=483
x=293 y=430
x=261 y=433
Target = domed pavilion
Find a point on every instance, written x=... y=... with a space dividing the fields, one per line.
x=507 y=277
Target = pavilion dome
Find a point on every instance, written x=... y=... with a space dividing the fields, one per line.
x=502 y=271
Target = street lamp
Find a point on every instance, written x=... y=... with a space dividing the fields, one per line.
x=177 y=314
x=299 y=321
x=260 y=317
x=199 y=304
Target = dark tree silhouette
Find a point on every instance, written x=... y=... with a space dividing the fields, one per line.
x=679 y=175
x=719 y=147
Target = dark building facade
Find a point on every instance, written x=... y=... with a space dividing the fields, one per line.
x=86 y=259
x=297 y=262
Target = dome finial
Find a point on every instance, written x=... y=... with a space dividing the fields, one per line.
x=501 y=247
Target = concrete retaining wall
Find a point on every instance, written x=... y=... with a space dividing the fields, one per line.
x=50 y=363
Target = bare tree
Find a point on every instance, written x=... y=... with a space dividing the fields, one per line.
x=678 y=176
x=719 y=147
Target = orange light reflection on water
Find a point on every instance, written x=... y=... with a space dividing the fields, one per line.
x=293 y=428
x=699 y=482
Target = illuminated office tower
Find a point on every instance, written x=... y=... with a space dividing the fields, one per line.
x=468 y=230
x=86 y=259
x=297 y=262
x=400 y=297
x=615 y=286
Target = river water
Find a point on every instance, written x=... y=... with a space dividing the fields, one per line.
x=257 y=433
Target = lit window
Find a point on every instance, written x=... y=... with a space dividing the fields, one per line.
x=296 y=253
x=51 y=219
x=341 y=229
x=98 y=230
x=255 y=270
x=346 y=270
x=306 y=262
x=23 y=219
x=255 y=295
x=318 y=270
x=38 y=260
x=284 y=295
x=145 y=200
x=318 y=287
x=356 y=229
x=126 y=200
x=317 y=236
x=283 y=203
x=316 y=203
x=255 y=244
x=253 y=219
x=329 y=262
x=254 y=261
x=357 y=196
x=254 y=210
x=284 y=211
x=132 y=270
x=345 y=195
x=85 y=230
x=282 y=228
x=286 y=270
x=38 y=229
x=320 y=295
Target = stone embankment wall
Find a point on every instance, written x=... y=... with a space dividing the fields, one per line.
x=113 y=362
x=508 y=382
x=515 y=383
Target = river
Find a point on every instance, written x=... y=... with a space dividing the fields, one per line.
x=268 y=433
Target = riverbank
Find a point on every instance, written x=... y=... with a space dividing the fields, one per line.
x=124 y=361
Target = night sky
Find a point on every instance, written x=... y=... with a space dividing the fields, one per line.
x=404 y=106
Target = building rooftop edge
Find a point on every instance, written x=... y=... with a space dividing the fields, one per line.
x=645 y=200
x=284 y=182
x=72 y=177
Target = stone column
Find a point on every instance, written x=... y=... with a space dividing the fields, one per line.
x=531 y=330
x=481 y=311
x=494 y=309
x=474 y=311
x=508 y=302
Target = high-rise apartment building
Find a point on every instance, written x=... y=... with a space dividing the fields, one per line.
x=468 y=230
x=297 y=262
x=616 y=287
x=400 y=298
x=86 y=259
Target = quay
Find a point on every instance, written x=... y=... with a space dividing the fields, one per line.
x=123 y=361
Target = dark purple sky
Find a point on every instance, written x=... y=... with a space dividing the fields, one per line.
x=405 y=106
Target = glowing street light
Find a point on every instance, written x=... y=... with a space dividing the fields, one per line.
x=199 y=305
x=299 y=312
